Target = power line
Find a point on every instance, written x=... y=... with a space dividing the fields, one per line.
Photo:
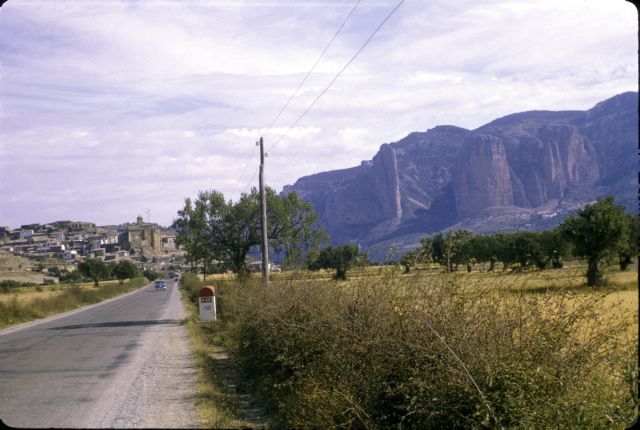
x=246 y=165
x=302 y=82
x=364 y=45
x=326 y=48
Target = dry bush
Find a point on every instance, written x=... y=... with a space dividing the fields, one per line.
x=430 y=353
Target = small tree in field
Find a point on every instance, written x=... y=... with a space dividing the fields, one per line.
x=596 y=232
x=341 y=259
x=94 y=270
x=124 y=269
x=628 y=247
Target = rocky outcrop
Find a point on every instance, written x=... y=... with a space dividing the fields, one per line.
x=482 y=178
x=447 y=175
x=356 y=199
x=524 y=167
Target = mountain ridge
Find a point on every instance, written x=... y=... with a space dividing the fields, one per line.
x=528 y=164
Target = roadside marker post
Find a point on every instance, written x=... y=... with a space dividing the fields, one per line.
x=207 y=303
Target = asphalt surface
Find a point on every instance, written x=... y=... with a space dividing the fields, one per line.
x=123 y=363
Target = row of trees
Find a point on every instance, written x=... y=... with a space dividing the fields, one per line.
x=461 y=247
x=97 y=270
x=599 y=232
x=220 y=233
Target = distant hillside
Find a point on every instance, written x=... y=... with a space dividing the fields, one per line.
x=523 y=171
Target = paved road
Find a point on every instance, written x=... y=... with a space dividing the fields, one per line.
x=124 y=363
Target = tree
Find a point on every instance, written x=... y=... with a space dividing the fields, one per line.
x=191 y=227
x=94 y=270
x=448 y=249
x=628 y=246
x=410 y=259
x=527 y=250
x=150 y=274
x=124 y=269
x=596 y=231
x=54 y=271
x=294 y=228
x=72 y=277
x=554 y=247
x=214 y=229
x=341 y=259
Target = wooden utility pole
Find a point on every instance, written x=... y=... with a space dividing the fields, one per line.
x=263 y=218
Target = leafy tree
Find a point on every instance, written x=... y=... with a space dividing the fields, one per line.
x=456 y=249
x=94 y=270
x=150 y=274
x=192 y=229
x=54 y=271
x=482 y=248
x=628 y=246
x=437 y=248
x=554 y=247
x=71 y=277
x=341 y=259
x=294 y=228
x=505 y=249
x=410 y=259
x=425 y=251
x=596 y=231
x=214 y=229
x=448 y=249
x=526 y=250
x=124 y=269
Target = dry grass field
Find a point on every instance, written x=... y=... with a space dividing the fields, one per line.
x=26 y=295
x=21 y=304
x=16 y=268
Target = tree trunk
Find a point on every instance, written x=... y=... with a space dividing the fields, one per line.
x=594 y=276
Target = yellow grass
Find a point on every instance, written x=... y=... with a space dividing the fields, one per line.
x=27 y=294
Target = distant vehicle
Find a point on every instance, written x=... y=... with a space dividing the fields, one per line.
x=160 y=284
x=275 y=268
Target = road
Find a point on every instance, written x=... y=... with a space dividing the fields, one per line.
x=121 y=363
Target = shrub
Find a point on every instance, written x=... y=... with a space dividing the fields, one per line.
x=404 y=352
x=150 y=275
x=8 y=285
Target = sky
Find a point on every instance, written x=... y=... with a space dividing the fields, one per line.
x=113 y=109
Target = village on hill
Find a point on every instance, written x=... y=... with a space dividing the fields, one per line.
x=148 y=245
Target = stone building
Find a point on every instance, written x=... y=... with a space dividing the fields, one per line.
x=141 y=236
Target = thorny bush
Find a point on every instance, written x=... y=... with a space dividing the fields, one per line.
x=430 y=353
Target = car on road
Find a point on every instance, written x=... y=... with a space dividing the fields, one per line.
x=159 y=284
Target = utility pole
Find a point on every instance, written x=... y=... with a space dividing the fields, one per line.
x=263 y=218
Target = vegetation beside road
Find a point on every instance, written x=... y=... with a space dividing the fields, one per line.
x=432 y=349
x=22 y=304
x=220 y=402
x=533 y=345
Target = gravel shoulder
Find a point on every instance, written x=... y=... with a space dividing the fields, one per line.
x=161 y=379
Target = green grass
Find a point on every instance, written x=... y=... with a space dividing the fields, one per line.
x=31 y=303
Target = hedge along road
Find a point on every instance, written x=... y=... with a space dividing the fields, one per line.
x=122 y=363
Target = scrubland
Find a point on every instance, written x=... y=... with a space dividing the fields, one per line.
x=427 y=349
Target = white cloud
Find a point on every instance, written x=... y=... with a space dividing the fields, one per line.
x=159 y=99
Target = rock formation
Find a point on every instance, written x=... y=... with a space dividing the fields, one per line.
x=530 y=164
